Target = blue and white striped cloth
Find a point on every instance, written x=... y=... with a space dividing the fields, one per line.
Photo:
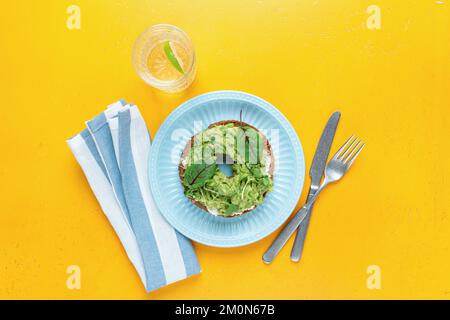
x=113 y=153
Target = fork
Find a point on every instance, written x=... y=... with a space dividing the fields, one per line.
x=334 y=171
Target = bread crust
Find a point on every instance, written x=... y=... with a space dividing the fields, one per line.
x=185 y=153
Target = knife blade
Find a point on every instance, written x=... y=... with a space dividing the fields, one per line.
x=316 y=172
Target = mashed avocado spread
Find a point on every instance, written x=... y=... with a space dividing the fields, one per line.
x=243 y=149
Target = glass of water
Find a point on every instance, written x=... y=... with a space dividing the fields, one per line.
x=164 y=57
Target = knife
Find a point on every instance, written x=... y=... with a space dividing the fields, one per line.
x=316 y=172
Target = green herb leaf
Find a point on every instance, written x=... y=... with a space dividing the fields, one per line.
x=197 y=174
x=232 y=208
x=256 y=171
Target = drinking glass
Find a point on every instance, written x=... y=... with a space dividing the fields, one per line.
x=164 y=57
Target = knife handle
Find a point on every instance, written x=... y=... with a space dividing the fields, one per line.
x=285 y=234
x=299 y=241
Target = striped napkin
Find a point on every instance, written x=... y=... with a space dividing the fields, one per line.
x=113 y=153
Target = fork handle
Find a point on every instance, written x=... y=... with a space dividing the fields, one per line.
x=285 y=234
x=299 y=241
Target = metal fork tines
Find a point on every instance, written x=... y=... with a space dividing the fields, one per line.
x=334 y=171
x=350 y=153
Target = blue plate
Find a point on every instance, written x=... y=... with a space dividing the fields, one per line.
x=197 y=114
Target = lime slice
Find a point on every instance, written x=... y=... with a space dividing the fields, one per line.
x=172 y=57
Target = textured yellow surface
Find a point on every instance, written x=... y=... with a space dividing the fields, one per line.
x=308 y=58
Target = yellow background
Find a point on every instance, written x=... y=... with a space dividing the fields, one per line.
x=308 y=58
